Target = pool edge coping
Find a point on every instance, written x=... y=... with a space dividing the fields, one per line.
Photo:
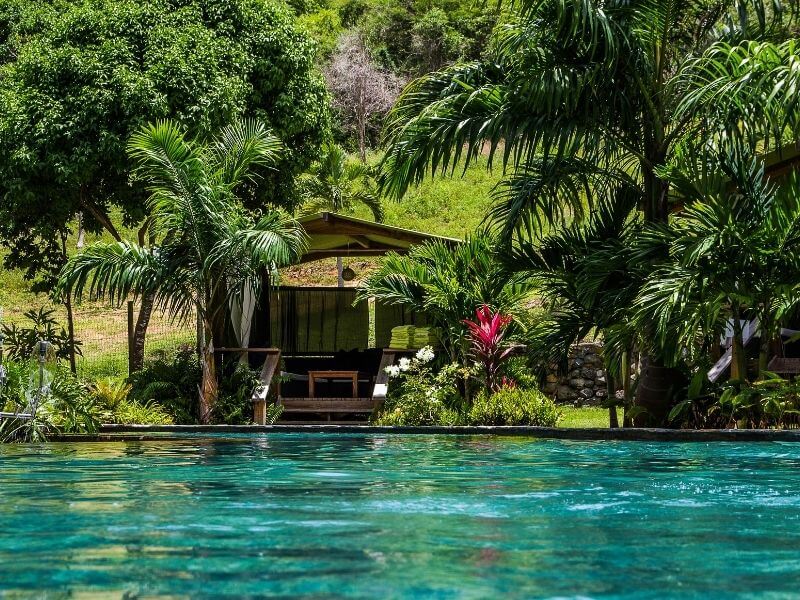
x=111 y=433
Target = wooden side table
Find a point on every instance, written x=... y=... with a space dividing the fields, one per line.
x=345 y=375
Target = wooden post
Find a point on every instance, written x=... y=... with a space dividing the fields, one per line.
x=130 y=337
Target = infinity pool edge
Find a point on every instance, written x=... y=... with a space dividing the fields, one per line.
x=163 y=432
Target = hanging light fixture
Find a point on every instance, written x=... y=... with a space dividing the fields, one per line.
x=348 y=274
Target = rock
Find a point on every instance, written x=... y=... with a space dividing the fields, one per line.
x=578 y=362
x=550 y=388
x=552 y=378
x=587 y=373
x=565 y=393
x=588 y=383
x=586 y=393
x=574 y=373
x=600 y=381
x=594 y=361
x=577 y=383
x=601 y=393
x=599 y=373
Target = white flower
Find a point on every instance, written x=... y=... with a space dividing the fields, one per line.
x=404 y=364
x=392 y=370
x=425 y=355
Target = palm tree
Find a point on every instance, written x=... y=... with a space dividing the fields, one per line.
x=576 y=93
x=210 y=250
x=447 y=283
x=733 y=254
x=336 y=184
x=585 y=274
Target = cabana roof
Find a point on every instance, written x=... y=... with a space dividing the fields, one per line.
x=332 y=234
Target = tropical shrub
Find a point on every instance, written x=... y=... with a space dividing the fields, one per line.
x=113 y=399
x=513 y=406
x=235 y=391
x=64 y=405
x=446 y=283
x=171 y=382
x=419 y=395
x=489 y=348
x=732 y=255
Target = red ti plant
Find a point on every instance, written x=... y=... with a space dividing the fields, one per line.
x=487 y=333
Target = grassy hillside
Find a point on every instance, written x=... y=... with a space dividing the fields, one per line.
x=448 y=206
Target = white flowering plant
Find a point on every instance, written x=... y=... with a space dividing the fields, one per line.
x=419 y=394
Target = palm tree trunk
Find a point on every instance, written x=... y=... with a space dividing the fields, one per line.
x=339 y=271
x=611 y=393
x=209 y=389
x=738 y=356
x=627 y=395
x=140 y=331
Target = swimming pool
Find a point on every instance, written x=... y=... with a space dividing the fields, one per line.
x=381 y=516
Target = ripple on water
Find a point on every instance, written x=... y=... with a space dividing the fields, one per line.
x=365 y=516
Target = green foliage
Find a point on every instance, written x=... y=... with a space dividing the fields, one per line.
x=588 y=278
x=21 y=342
x=112 y=398
x=209 y=249
x=234 y=406
x=421 y=395
x=171 y=382
x=338 y=184
x=771 y=402
x=64 y=406
x=513 y=406
x=732 y=253
x=447 y=283
x=597 y=96
x=325 y=27
x=420 y=36
x=79 y=78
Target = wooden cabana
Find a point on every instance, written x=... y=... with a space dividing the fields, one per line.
x=323 y=355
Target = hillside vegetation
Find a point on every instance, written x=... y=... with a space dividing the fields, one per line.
x=448 y=206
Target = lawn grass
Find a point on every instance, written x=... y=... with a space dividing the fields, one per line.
x=586 y=416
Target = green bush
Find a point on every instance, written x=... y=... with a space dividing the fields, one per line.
x=233 y=406
x=171 y=382
x=513 y=406
x=65 y=404
x=420 y=396
x=113 y=399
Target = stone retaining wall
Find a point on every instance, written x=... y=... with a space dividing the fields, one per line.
x=585 y=381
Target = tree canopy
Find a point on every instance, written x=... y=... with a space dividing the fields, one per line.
x=78 y=77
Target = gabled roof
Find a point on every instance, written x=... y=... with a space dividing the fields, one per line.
x=332 y=234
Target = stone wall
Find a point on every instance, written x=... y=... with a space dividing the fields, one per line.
x=585 y=380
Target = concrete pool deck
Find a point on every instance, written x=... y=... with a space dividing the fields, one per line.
x=110 y=433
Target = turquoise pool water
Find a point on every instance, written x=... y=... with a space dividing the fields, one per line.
x=375 y=516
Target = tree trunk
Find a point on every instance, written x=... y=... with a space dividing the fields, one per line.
x=362 y=139
x=140 y=331
x=611 y=392
x=738 y=356
x=339 y=270
x=146 y=310
x=627 y=395
x=70 y=317
x=208 y=388
x=81 y=232
x=71 y=332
